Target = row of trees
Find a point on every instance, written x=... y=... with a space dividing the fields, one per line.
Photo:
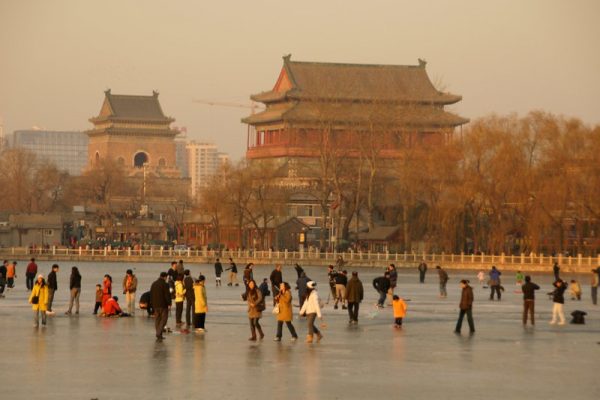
x=506 y=184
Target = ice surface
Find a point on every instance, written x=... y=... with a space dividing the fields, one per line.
x=86 y=357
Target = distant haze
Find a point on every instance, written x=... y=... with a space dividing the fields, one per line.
x=57 y=57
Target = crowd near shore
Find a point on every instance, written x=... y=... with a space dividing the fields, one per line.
x=176 y=288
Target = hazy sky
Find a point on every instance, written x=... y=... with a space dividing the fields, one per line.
x=57 y=57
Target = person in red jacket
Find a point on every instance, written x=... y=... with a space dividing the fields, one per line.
x=111 y=307
x=106 y=289
x=30 y=273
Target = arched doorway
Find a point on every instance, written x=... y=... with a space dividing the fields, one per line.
x=140 y=159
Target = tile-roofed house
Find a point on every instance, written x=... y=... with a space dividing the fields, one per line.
x=311 y=96
x=133 y=131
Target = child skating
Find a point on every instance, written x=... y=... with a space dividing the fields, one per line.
x=399 y=306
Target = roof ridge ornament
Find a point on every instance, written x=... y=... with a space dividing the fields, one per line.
x=155 y=93
x=107 y=91
x=422 y=63
x=287 y=57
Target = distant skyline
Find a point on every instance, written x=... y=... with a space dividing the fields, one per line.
x=57 y=57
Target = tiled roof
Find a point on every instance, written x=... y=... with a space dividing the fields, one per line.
x=366 y=82
x=141 y=108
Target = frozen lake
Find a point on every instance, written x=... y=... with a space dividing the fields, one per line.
x=86 y=357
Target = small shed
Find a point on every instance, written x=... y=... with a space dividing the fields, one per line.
x=382 y=239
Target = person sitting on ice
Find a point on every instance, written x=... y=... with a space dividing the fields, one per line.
x=112 y=308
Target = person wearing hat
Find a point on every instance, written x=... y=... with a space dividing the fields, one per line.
x=312 y=309
x=39 y=300
x=130 y=283
x=466 y=307
x=200 y=304
x=594 y=285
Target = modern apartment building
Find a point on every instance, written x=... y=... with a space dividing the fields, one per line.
x=67 y=149
x=204 y=160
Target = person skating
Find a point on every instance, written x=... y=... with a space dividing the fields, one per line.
x=341 y=280
x=466 y=307
x=528 y=290
x=190 y=296
x=52 y=287
x=218 y=272
x=200 y=304
x=160 y=297
x=382 y=285
x=558 y=301
x=179 y=298
x=39 y=301
x=276 y=279
x=130 y=283
x=30 y=273
x=422 y=271
x=256 y=306
x=594 y=285
x=443 y=277
x=354 y=296
x=312 y=309
x=302 y=283
x=285 y=314
x=75 y=288
x=556 y=271
x=232 y=273
x=399 y=307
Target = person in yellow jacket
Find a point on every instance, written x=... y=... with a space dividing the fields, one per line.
x=179 y=297
x=399 y=306
x=200 y=304
x=39 y=300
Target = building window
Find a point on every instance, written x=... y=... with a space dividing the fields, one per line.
x=162 y=162
x=140 y=159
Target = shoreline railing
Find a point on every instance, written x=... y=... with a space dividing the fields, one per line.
x=306 y=256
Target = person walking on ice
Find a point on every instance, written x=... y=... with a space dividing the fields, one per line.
x=466 y=307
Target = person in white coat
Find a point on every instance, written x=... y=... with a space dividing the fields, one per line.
x=312 y=309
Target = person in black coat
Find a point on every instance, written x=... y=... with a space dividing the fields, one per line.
x=160 y=296
x=556 y=271
x=218 y=272
x=276 y=279
x=529 y=289
x=382 y=285
x=146 y=303
x=52 y=287
x=466 y=307
x=75 y=287
x=190 y=297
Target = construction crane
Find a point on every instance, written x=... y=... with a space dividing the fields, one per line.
x=252 y=106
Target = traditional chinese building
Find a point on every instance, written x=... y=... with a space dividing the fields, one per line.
x=134 y=132
x=396 y=103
